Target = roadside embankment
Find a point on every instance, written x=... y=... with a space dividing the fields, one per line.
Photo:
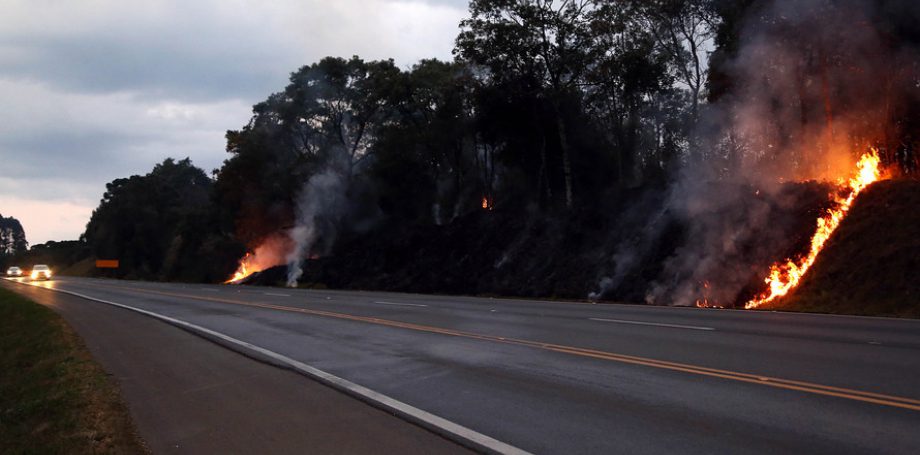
x=871 y=265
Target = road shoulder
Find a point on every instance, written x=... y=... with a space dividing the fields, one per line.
x=188 y=395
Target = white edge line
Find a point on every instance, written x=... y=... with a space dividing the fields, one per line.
x=440 y=425
x=675 y=326
x=275 y=294
x=401 y=304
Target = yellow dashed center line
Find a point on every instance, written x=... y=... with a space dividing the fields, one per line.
x=851 y=394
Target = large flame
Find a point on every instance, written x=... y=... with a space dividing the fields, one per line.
x=272 y=251
x=246 y=268
x=784 y=277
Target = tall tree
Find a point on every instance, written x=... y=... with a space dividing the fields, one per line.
x=425 y=158
x=329 y=116
x=12 y=237
x=544 y=46
x=141 y=220
x=628 y=79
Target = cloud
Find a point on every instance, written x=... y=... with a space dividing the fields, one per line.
x=101 y=89
x=63 y=138
x=210 y=49
x=46 y=220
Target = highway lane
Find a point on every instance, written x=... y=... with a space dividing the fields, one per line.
x=553 y=377
x=187 y=395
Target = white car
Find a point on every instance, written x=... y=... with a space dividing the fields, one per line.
x=14 y=271
x=41 y=272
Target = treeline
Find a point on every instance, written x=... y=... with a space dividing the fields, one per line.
x=547 y=107
x=12 y=237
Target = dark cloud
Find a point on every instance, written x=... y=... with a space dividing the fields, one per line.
x=214 y=50
x=65 y=154
x=149 y=68
x=101 y=90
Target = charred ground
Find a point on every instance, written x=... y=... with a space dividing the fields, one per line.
x=635 y=158
x=570 y=255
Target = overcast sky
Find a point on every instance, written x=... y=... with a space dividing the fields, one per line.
x=94 y=90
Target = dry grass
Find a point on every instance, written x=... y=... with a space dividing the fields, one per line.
x=54 y=399
x=871 y=265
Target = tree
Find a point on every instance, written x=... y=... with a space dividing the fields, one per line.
x=682 y=29
x=334 y=109
x=629 y=76
x=328 y=117
x=12 y=237
x=144 y=221
x=543 y=46
x=425 y=159
x=825 y=79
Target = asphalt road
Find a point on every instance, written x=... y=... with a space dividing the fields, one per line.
x=187 y=395
x=551 y=377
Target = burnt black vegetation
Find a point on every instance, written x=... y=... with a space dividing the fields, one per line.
x=661 y=152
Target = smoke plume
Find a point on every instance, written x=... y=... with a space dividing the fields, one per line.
x=318 y=212
x=812 y=86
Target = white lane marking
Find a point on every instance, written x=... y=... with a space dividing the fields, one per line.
x=276 y=294
x=400 y=304
x=440 y=425
x=673 y=326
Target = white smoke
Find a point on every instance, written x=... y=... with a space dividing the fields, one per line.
x=318 y=212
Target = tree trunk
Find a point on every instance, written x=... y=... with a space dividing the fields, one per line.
x=542 y=178
x=566 y=158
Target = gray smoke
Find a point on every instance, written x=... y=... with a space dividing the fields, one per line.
x=714 y=262
x=814 y=86
x=632 y=250
x=320 y=207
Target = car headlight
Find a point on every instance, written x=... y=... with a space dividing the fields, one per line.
x=34 y=275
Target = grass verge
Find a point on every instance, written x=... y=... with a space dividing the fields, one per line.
x=54 y=398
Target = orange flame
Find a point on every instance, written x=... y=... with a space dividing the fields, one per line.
x=245 y=269
x=272 y=251
x=784 y=277
x=487 y=203
x=705 y=302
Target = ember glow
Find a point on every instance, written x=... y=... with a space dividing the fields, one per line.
x=706 y=302
x=786 y=276
x=487 y=203
x=245 y=269
x=271 y=252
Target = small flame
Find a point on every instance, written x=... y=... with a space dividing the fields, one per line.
x=487 y=203
x=705 y=302
x=271 y=252
x=247 y=267
x=784 y=277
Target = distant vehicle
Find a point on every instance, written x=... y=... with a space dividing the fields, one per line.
x=14 y=271
x=41 y=272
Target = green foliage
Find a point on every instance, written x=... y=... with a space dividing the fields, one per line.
x=548 y=104
x=148 y=222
